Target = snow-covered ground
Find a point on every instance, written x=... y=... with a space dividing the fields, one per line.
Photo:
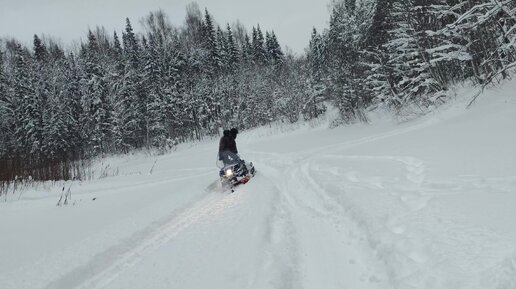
x=428 y=203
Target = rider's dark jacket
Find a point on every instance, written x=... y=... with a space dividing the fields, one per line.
x=227 y=143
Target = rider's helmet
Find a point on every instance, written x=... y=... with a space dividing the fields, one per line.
x=234 y=132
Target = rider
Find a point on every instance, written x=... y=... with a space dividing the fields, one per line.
x=228 y=152
x=227 y=142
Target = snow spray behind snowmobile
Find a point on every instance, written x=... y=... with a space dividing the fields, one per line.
x=233 y=170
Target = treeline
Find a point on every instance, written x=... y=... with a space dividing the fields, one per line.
x=408 y=52
x=116 y=93
x=119 y=93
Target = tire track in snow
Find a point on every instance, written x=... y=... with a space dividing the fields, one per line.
x=415 y=172
x=105 y=267
x=403 y=242
x=383 y=245
x=372 y=270
x=362 y=238
x=332 y=210
x=281 y=249
x=323 y=235
x=417 y=244
x=368 y=139
x=385 y=241
x=144 y=183
x=128 y=255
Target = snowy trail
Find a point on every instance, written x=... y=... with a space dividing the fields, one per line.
x=111 y=264
x=419 y=247
x=352 y=253
x=82 y=261
x=330 y=250
x=108 y=265
x=238 y=231
x=316 y=215
x=399 y=257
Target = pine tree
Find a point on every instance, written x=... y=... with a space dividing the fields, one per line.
x=117 y=48
x=136 y=80
x=274 y=50
x=76 y=117
x=28 y=116
x=317 y=71
x=231 y=49
x=57 y=142
x=413 y=80
x=210 y=43
x=247 y=50
x=377 y=34
x=131 y=47
x=379 y=76
x=118 y=91
x=222 y=49
x=55 y=52
x=258 y=45
x=6 y=116
x=343 y=50
x=96 y=99
x=3 y=77
x=40 y=50
x=163 y=65
x=42 y=78
x=274 y=53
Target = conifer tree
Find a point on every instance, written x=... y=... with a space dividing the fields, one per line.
x=210 y=43
x=222 y=49
x=117 y=48
x=41 y=71
x=275 y=49
x=96 y=98
x=259 y=49
x=231 y=49
x=247 y=50
x=6 y=116
x=27 y=115
x=40 y=50
x=317 y=72
x=56 y=136
x=131 y=47
x=76 y=117
x=412 y=75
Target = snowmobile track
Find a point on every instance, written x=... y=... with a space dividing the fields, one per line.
x=108 y=265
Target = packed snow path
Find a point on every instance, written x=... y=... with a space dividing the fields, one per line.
x=424 y=204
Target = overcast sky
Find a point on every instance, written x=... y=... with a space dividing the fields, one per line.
x=69 y=20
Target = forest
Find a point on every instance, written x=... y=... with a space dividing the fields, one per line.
x=120 y=91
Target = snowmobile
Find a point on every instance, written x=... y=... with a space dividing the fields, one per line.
x=233 y=170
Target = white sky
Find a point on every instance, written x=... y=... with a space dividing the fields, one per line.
x=69 y=20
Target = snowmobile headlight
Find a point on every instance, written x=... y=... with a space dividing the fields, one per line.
x=229 y=173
